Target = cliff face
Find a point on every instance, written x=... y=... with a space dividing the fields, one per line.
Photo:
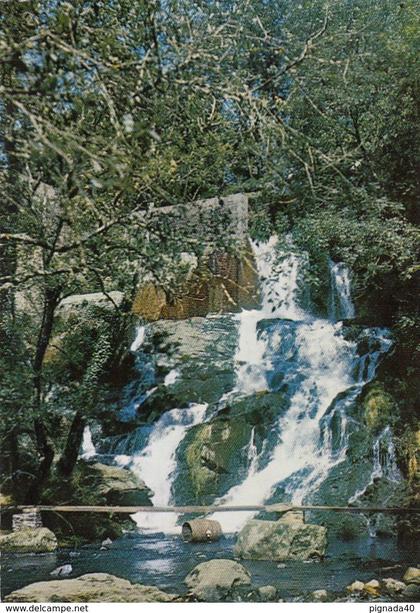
x=221 y=283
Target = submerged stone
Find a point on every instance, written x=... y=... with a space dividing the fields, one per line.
x=281 y=540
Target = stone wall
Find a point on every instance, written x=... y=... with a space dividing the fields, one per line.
x=221 y=281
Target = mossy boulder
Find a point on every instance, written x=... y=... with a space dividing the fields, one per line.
x=121 y=487
x=379 y=407
x=214 y=451
x=29 y=540
x=95 y=587
x=215 y=455
x=92 y=485
x=281 y=540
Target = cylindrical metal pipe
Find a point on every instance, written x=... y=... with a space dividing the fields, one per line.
x=201 y=530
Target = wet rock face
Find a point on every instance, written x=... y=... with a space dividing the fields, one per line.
x=211 y=580
x=377 y=406
x=212 y=453
x=29 y=540
x=121 y=486
x=278 y=540
x=97 y=587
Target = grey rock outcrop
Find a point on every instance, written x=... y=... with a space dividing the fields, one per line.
x=97 y=587
x=121 y=487
x=211 y=580
x=286 y=539
x=29 y=540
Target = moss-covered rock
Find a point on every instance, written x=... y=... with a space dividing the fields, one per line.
x=379 y=407
x=96 y=484
x=213 y=450
x=96 y=587
x=121 y=487
x=280 y=540
x=29 y=540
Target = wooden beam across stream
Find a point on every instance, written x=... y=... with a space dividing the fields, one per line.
x=270 y=508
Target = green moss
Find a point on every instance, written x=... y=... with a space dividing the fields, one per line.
x=379 y=407
x=214 y=451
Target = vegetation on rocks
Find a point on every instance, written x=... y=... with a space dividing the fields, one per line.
x=110 y=111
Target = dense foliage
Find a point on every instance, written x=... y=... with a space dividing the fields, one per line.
x=111 y=109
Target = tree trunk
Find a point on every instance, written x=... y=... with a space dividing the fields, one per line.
x=44 y=445
x=70 y=454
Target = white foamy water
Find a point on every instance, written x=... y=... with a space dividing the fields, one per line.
x=341 y=305
x=171 y=377
x=139 y=339
x=156 y=463
x=279 y=283
x=384 y=462
x=320 y=372
x=88 y=448
x=325 y=364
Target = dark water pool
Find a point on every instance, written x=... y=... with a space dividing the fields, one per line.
x=164 y=561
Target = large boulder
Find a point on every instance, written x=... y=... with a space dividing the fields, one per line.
x=412 y=575
x=212 y=580
x=29 y=540
x=287 y=539
x=121 y=487
x=97 y=587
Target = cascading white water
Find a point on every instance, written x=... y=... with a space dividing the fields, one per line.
x=156 y=463
x=340 y=305
x=139 y=339
x=325 y=365
x=320 y=371
x=279 y=278
x=384 y=462
x=303 y=454
x=88 y=450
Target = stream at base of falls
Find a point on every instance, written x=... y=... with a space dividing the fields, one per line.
x=164 y=561
x=253 y=408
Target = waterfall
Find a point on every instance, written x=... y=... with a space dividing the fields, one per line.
x=139 y=339
x=384 y=463
x=88 y=450
x=340 y=303
x=280 y=347
x=303 y=455
x=325 y=361
x=155 y=464
x=279 y=276
x=252 y=454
